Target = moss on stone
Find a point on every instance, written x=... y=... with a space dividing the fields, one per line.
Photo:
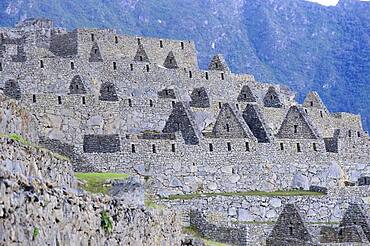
x=246 y=193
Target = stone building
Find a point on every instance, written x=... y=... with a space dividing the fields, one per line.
x=142 y=105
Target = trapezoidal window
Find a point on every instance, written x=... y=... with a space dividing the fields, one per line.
x=133 y=148
x=160 y=43
x=228 y=146
x=1 y=67
x=173 y=148
x=314 y=146
x=281 y=146
x=116 y=39
x=247 y=147
x=210 y=147
x=154 y=149
x=92 y=37
x=298 y=147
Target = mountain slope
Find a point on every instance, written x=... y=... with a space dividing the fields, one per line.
x=301 y=44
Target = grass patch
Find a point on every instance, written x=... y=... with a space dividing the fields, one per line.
x=151 y=204
x=106 y=222
x=246 y=193
x=195 y=233
x=94 y=182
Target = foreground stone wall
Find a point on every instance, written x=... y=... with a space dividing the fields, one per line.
x=36 y=162
x=14 y=118
x=33 y=212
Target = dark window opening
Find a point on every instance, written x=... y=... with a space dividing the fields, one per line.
x=173 y=148
x=233 y=171
x=349 y=133
x=229 y=146
x=314 y=146
x=298 y=147
x=227 y=128
x=95 y=51
x=210 y=147
x=206 y=75
x=295 y=128
x=170 y=60
x=190 y=74
x=116 y=39
x=281 y=146
x=237 y=106
x=114 y=66
x=321 y=114
x=222 y=76
x=272 y=97
x=41 y=64
x=291 y=230
x=216 y=65
x=34 y=98
x=133 y=148
x=220 y=104
x=1 y=67
x=311 y=103
x=72 y=65
x=182 y=45
x=358 y=134
x=138 y=41
x=173 y=104
x=151 y=103
x=129 y=103
x=59 y=100
x=247 y=146
x=141 y=58
x=166 y=92
x=154 y=149
x=160 y=43
x=131 y=67
x=147 y=68
x=305 y=110
x=92 y=37
x=83 y=100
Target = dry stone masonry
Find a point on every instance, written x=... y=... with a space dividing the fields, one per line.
x=142 y=106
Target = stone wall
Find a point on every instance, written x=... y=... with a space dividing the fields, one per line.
x=262 y=209
x=33 y=212
x=36 y=162
x=16 y=119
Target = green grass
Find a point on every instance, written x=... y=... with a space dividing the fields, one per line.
x=94 y=182
x=246 y=193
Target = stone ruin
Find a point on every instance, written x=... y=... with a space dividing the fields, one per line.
x=112 y=102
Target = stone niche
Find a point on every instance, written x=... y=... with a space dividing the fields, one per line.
x=108 y=92
x=12 y=89
x=77 y=86
x=170 y=61
x=101 y=143
x=199 y=98
x=272 y=99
